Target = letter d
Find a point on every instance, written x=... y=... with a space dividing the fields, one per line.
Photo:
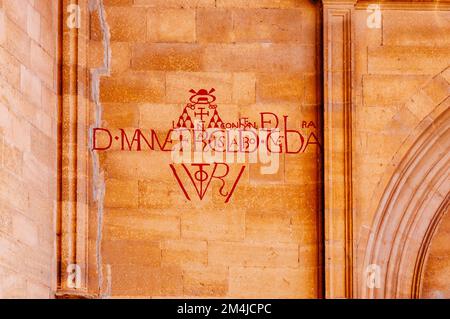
x=94 y=140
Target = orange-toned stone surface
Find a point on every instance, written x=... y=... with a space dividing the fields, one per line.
x=28 y=148
x=156 y=243
x=402 y=86
x=435 y=282
x=382 y=90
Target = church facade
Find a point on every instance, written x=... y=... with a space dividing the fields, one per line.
x=224 y=149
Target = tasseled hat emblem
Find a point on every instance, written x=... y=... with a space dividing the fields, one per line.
x=201 y=109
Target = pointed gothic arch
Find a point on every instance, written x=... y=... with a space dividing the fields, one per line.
x=414 y=201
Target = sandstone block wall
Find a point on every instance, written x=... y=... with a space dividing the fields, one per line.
x=28 y=144
x=402 y=84
x=260 y=56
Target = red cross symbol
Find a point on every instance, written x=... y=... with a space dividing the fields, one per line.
x=201 y=113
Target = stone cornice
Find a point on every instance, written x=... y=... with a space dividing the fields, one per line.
x=339 y=2
x=392 y=4
x=405 y=5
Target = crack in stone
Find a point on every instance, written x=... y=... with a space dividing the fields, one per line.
x=98 y=180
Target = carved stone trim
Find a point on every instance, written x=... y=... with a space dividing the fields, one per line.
x=416 y=287
x=338 y=103
x=405 y=5
x=73 y=175
x=410 y=209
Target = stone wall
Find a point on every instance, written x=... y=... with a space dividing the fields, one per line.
x=28 y=144
x=402 y=86
x=259 y=56
x=126 y=218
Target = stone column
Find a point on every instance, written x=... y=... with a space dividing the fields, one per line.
x=338 y=104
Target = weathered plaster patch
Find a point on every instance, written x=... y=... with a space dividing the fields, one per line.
x=98 y=179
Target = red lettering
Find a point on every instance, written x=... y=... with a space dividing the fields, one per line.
x=94 y=146
x=264 y=122
x=286 y=138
